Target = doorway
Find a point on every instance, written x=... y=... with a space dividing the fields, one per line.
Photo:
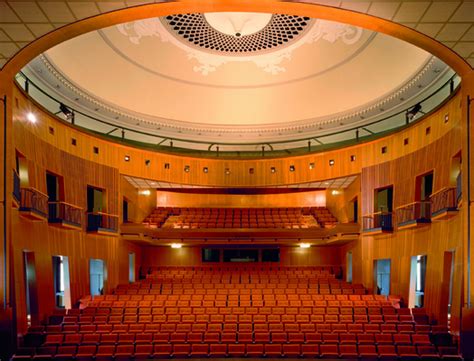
x=96 y=272
x=31 y=289
x=447 y=288
x=382 y=277
x=416 y=298
x=131 y=267
x=62 y=290
x=54 y=187
x=349 y=267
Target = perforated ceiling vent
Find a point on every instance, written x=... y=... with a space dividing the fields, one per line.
x=194 y=29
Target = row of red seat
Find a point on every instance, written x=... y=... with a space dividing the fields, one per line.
x=275 y=350
x=237 y=337
x=147 y=318
x=172 y=327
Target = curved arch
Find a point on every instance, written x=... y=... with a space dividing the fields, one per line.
x=312 y=10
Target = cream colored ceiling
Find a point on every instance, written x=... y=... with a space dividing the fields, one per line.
x=450 y=22
x=165 y=83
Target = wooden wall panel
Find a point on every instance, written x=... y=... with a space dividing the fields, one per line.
x=112 y=154
x=47 y=241
x=339 y=203
x=298 y=199
x=289 y=256
x=139 y=205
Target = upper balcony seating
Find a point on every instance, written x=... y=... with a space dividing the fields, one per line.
x=282 y=218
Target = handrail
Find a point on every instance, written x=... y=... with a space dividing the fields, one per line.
x=445 y=199
x=104 y=214
x=352 y=133
x=16 y=186
x=60 y=211
x=33 y=200
x=444 y=189
x=412 y=203
x=377 y=220
x=65 y=203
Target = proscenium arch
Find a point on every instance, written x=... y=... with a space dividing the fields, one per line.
x=270 y=6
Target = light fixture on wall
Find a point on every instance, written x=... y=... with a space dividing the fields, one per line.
x=292 y=168
x=68 y=113
x=145 y=192
x=411 y=113
x=176 y=245
x=126 y=158
x=305 y=245
x=331 y=162
x=31 y=117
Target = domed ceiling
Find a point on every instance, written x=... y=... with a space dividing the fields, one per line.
x=237 y=77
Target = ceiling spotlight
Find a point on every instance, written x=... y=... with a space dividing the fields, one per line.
x=31 y=117
x=305 y=245
x=126 y=158
x=176 y=245
x=68 y=113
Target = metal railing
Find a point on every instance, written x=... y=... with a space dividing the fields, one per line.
x=378 y=220
x=16 y=187
x=64 y=212
x=459 y=187
x=33 y=200
x=416 y=211
x=97 y=221
x=154 y=141
x=444 y=200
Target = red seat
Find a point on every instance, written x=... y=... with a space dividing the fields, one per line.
x=236 y=350
x=407 y=353
x=143 y=351
x=124 y=352
x=279 y=337
x=218 y=350
x=292 y=350
x=367 y=352
x=194 y=337
x=199 y=350
x=348 y=351
x=181 y=350
x=255 y=350
x=273 y=350
x=401 y=339
x=86 y=353
x=387 y=353
x=105 y=353
x=228 y=337
x=329 y=351
x=309 y=350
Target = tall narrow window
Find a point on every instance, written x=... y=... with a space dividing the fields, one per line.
x=382 y=280
x=96 y=272
x=131 y=267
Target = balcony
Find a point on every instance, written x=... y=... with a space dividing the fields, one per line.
x=444 y=204
x=65 y=215
x=33 y=204
x=379 y=222
x=414 y=214
x=102 y=223
x=16 y=190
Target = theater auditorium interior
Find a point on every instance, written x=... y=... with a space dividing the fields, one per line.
x=236 y=179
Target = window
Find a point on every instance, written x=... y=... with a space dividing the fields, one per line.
x=383 y=199
x=240 y=255
x=210 y=255
x=271 y=255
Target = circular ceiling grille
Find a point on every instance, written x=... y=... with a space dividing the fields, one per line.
x=194 y=29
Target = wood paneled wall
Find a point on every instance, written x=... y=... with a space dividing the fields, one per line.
x=297 y=199
x=289 y=256
x=112 y=154
x=339 y=202
x=139 y=205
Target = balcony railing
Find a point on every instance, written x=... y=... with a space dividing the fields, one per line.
x=379 y=221
x=65 y=214
x=102 y=222
x=459 y=187
x=444 y=200
x=16 y=187
x=414 y=213
x=34 y=202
